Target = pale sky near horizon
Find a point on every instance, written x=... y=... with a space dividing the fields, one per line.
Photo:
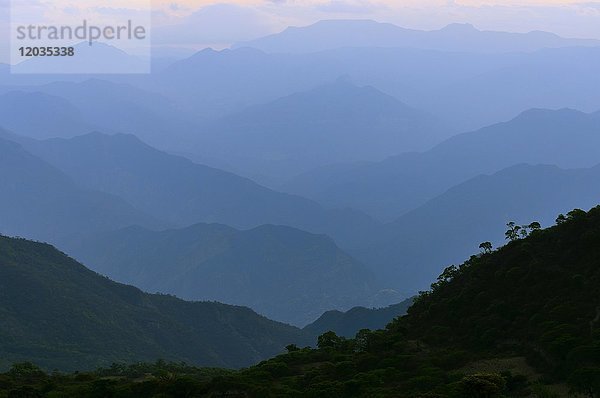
x=217 y=24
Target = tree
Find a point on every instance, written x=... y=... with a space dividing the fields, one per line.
x=446 y=276
x=486 y=247
x=516 y=232
x=561 y=219
x=292 y=348
x=363 y=340
x=26 y=371
x=576 y=213
x=329 y=340
x=513 y=231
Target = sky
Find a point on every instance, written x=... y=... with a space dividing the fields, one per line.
x=196 y=24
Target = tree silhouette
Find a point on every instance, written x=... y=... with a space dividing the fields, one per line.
x=486 y=247
x=513 y=231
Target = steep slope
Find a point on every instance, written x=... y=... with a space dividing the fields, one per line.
x=413 y=249
x=348 y=323
x=331 y=34
x=174 y=189
x=388 y=189
x=282 y=273
x=509 y=323
x=59 y=314
x=337 y=122
x=40 y=202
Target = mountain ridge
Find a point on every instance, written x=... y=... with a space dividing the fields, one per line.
x=281 y=272
x=331 y=123
x=387 y=189
x=40 y=202
x=182 y=192
x=361 y=33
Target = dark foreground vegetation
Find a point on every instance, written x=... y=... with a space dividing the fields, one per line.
x=523 y=320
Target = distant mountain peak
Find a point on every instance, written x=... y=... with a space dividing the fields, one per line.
x=536 y=113
x=460 y=27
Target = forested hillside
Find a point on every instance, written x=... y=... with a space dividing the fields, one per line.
x=58 y=314
x=523 y=320
x=519 y=321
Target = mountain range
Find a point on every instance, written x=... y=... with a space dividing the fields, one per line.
x=471 y=91
x=388 y=189
x=287 y=194
x=181 y=193
x=413 y=249
x=333 y=34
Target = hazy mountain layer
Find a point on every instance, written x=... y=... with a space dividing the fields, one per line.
x=40 y=202
x=415 y=247
x=338 y=122
x=470 y=91
x=388 y=189
x=282 y=273
x=183 y=193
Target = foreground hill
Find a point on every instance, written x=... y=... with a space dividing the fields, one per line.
x=283 y=273
x=533 y=303
x=60 y=315
x=523 y=321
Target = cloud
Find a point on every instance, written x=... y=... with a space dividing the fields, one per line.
x=219 y=23
x=350 y=7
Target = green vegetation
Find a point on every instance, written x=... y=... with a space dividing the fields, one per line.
x=160 y=379
x=521 y=321
x=58 y=314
